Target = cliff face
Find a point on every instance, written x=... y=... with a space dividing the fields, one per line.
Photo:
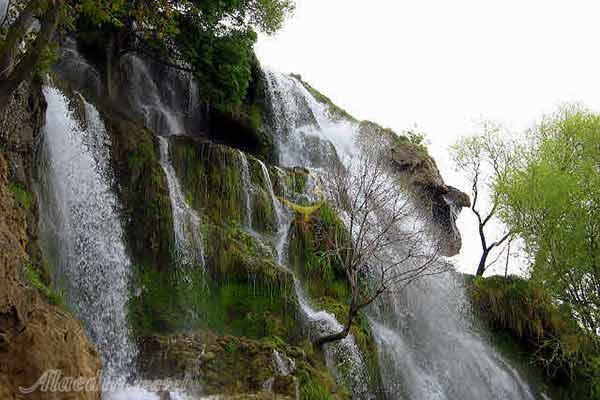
x=439 y=202
x=36 y=332
x=237 y=311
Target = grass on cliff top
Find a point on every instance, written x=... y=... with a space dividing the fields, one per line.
x=321 y=98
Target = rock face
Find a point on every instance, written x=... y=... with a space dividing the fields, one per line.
x=442 y=201
x=224 y=366
x=229 y=320
x=439 y=201
x=35 y=336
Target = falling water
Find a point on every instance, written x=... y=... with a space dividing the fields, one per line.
x=342 y=355
x=427 y=346
x=80 y=230
x=3 y=8
x=246 y=188
x=438 y=340
x=189 y=244
x=147 y=99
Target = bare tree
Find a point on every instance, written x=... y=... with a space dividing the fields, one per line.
x=485 y=159
x=384 y=246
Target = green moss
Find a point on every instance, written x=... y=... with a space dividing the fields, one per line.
x=211 y=178
x=143 y=191
x=314 y=391
x=33 y=276
x=239 y=366
x=22 y=196
x=334 y=110
x=325 y=280
x=241 y=292
x=297 y=180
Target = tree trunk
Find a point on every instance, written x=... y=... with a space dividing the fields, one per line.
x=15 y=36
x=28 y=63
x=482 y=261
x=334 y=337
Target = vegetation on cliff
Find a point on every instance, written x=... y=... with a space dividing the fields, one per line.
x=529 y=327
x=211 y=39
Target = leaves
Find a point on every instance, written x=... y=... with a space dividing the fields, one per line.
x=554 y=203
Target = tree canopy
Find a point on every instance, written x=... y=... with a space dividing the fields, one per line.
x=211 y=38
x=553 y=202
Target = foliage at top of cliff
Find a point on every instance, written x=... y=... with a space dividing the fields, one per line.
x=334 y=109
x=212 y=39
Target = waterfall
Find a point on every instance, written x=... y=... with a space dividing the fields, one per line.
x=428 y=322
x=3 y=9
x=427 y=346
x=148 y=100
x=305 y=134
x=246 y=188
x=80 y=231
x=189 y=244
x=320 y=323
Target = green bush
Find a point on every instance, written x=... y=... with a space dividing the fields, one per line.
x=519 y=310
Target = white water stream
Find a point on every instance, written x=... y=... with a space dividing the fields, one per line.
x=80 y=228
x=189 y=244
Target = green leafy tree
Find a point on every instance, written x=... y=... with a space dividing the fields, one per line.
x=553 y=202
x=485 y=159
x=211 y=38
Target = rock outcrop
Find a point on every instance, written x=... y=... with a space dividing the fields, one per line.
x=419 y=170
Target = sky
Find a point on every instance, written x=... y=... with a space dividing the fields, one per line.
x=444 y=66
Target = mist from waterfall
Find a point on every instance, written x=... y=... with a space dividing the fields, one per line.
x=80 y=229
x=428 y=347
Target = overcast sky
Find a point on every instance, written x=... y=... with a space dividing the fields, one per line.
x=444 y=65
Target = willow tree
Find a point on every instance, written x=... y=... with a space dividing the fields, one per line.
x=484 y=160
x=385 y=245
x=553 y=202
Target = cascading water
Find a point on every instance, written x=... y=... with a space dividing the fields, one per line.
x=437 y=340
x=189 y=244
x=247 y=188
x=343 y=354
x=80 y=230
x=161 y=109
x=427 y=346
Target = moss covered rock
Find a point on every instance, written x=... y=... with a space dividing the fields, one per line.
x=239 y=368
x=143 y=190
x=530 y=329
x=325 y=280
